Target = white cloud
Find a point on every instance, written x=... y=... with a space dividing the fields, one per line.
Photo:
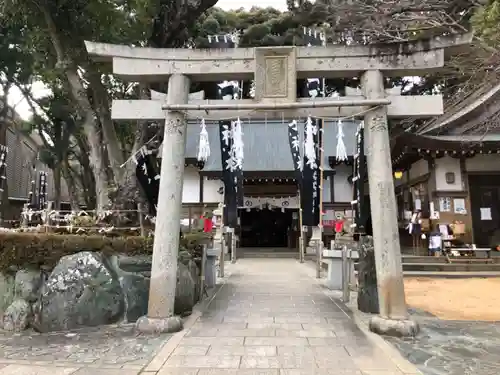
x=247 y=4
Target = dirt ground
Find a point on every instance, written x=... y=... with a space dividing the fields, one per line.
x=456 y=299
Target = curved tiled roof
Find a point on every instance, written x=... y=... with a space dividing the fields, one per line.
x=471 y=112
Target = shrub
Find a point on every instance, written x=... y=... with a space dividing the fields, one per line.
x=45 y=249
x=194 y=239
x=191 y=246
x=84 y=221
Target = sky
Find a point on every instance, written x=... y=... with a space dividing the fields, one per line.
x=17 y=102
x=247 y=4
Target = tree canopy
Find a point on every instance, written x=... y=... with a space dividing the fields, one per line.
x=43 y=41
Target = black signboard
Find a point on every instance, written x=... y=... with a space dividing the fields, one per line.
x=3 y=166
x=232 y=171
x=310 y=194
x=148 y=175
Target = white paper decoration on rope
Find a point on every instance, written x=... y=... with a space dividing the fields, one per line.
x=341 y=154
x=204 y=145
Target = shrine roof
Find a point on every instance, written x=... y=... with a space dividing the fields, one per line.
x=266 y=145
x=411 y=147
x=468 y=115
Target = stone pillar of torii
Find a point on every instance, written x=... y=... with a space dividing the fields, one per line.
x=275 y=71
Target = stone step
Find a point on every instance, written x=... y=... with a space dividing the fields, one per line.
x=470 y=260
x=267 y=254
x=454 y=266
x=407 y=259
x=422 y=259
x=451 y=275
x=451 y=267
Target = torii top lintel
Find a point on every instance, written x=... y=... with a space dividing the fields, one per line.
x=394 y=59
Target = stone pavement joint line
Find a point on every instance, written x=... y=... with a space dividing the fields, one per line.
x=271 y=318
x=105 y=350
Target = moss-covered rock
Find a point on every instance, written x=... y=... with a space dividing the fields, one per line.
x=7 y=288
x=81 y=291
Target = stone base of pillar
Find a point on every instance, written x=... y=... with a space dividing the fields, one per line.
x=316 y=236
x=159 y=325
x=394 y=327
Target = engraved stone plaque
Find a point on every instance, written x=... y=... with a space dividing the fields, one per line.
x=275 y=74
x=275 y=83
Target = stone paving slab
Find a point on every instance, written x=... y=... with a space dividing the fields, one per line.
x=93 y=371
x=93 y=351
x=36 y=370
x=272 y=318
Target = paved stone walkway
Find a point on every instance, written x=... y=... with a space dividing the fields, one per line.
x=272 y=318
x=110 y=350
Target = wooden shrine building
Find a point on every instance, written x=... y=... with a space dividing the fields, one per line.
x=451 y=165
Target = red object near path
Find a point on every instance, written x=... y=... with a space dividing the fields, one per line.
x=207 y=225
x=339 y=226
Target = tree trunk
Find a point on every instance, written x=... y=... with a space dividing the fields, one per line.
x=86 y=177
x=101 y=104
x=57 y=186
x=74 y=199
x=85 y=111
x=128 y=193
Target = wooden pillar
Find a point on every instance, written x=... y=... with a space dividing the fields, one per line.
x=202 y=187
x=393 y=317
x=160 y=316
x=190 y=213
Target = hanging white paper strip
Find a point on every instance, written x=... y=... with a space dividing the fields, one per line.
x=341 y=153
x=204 y=145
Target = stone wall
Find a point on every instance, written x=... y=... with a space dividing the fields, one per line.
x=87 y=289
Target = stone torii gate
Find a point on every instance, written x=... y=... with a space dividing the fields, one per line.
x=275 y=71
